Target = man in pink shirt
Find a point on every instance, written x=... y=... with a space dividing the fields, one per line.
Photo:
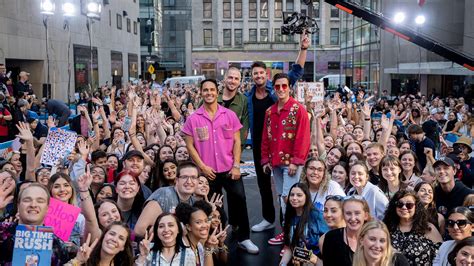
x=213 y=141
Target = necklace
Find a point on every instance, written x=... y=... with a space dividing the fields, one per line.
x=196 y=252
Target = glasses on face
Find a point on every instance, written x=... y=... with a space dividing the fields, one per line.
x=185 y=177
x=281 y=86
x=408 y=205
x=460 y=223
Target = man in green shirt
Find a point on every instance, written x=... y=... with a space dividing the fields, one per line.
x=230 y=97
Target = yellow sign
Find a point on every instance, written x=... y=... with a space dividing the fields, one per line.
x=151 y=69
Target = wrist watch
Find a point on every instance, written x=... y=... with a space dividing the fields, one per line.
x=236 y=166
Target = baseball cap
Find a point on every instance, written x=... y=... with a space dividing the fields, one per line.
x=434 y=111
x=22 y=102
x=444 y=160
x=131 y=154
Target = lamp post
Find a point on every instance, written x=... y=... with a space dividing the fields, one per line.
x=47 y=9
x=94 y=8
x=69 y=10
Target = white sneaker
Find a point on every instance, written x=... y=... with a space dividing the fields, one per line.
x=249 y=246
x=262 y=226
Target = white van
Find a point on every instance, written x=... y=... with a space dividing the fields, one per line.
x=333 y=81
x=191 y=80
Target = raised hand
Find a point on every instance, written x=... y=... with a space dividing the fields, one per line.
x=213 y=240
x=86 y=249
x=305 y=41
x=24 y=131
x=83 y=148
x=222 y=234
x=6 y=195
x=366 y=110
x=51 y=123
x=145 y=244
x=84 y=181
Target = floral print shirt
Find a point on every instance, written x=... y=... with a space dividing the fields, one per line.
x=286 y=135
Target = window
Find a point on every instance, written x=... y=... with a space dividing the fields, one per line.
x=277 y=35
x=252 y=35
x=227 y=12
x=252 y=8
x=334 y=12
x=316 y=8
x=289 y=38
x=238 y=9
x=129 y=25
x=290 y=5
x=169 y=3
x=135 y=28
x=264 y=35
x=119 y=21
x=207 y=37
x=264 y=8
x=238 y=37
x=110 y=18
x=334 y=36
x=207 y=8
x=315 y=38
x=278 y=9
x=227 y=37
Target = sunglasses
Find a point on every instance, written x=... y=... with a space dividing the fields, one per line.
x=459 y=223
x=408 y=205
x=341 y=198
x=280 y=86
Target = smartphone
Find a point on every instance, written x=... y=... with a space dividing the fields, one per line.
x=127 y=122
x=91 y=133
x=302 y=253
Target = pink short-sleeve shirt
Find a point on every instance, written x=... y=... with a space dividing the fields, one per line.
x=213 y=139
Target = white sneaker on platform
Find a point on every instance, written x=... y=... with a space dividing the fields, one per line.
x=249 y=246
x=262 y=226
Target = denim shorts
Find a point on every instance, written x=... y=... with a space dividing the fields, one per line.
x=283 y=182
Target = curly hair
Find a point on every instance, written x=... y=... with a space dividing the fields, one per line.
x=420 y=219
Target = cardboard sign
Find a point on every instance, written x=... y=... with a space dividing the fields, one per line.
x=58 y=143
x=33 y=245
x=62 y=217
x=315 y=90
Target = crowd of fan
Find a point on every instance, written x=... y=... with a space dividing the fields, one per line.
x=366 y=181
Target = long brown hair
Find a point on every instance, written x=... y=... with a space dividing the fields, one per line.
x=124 y=257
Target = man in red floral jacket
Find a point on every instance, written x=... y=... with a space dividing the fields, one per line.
x=285 y=138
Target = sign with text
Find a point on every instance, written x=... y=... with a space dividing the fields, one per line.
x=62 y=217
x=58 y=144
x=314 y=91
x=33 y=245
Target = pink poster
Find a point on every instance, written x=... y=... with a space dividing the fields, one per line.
x=62 y=217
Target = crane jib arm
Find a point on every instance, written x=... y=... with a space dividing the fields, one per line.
x=404 y=32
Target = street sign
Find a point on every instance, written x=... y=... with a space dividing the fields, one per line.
x=151 y=69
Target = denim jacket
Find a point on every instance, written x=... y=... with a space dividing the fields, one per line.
x=295 y=73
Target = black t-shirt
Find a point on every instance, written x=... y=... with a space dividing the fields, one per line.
x=446 y=201
x=431 y=129
x=420 y=151
x=228 y=102
x=335 y=250
x=259 y=108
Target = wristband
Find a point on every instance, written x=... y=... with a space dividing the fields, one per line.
x=303 y=48
x=236 y=166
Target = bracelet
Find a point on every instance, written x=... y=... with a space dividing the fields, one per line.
x=237 y=166
x=86 y=198
x=367 y=119
x=304 y=49
x=224 y=248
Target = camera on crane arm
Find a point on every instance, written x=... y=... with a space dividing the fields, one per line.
x=296 y=23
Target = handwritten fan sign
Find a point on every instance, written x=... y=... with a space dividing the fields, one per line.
x=58 y=143
x=315 y=91
x=62 y=217
x=33 y=245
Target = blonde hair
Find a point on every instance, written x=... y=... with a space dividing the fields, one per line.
x=359 y=258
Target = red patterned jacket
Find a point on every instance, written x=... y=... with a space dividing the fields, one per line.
x=286 y=135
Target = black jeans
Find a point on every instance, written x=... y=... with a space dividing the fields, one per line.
x=236 y=201
x=264 y=184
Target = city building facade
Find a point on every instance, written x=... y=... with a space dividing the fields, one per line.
x=380 y=60
x=237 y=32
x=113 y=37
